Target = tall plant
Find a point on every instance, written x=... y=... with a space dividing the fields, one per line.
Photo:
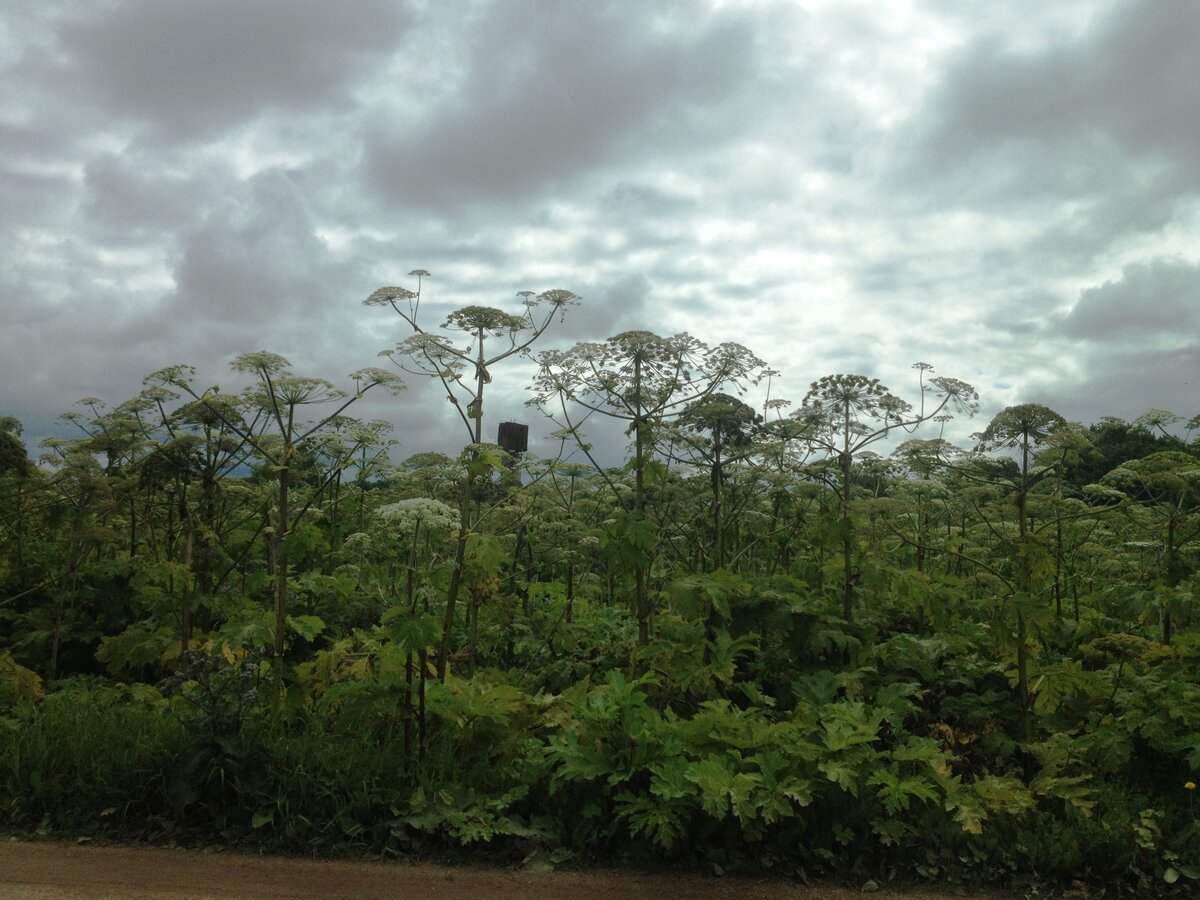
x=642 y=380
x=1163 y=490
x=1024 y=428
x=280 y=402
x=464 y=372
x=843 y=415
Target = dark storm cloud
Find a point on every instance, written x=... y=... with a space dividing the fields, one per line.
x=188 y=68
x=1110 y=108
x=553 y=88
x=1157 y=298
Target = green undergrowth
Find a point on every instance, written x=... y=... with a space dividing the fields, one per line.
x=803 y=746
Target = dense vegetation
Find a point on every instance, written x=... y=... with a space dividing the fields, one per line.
x=759 y=643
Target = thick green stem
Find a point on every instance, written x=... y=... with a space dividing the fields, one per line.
x=844 y=461
x=281 y=561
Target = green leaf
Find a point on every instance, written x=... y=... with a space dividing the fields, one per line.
x=18 y=685
x=485 y=553
x=308 y=627
x=411 y=631
x=746 y=796
x=714 y=776
x=894 y=700
x=671 y=780
x=662 y=822
x=849 y=724
x=699 y=595
x=840 y=773
x=895 y=793
x=464 y=702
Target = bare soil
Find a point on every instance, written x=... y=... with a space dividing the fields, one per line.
x=30 y=870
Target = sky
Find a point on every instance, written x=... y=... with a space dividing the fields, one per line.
x=1007 y=191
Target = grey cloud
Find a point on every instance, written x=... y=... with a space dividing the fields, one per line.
x=1076 y=239
x=252 y=259
x=1026 y=315
x=35 y=176
x=27 y=143
x=1157 y=298
x=250 y=275
x=127 y=198
x=439 y=248
x=66 y=350
x=556 y=87
x=608 y=309
x=187 y=68
x=1123 y=383
x=1069 y=118
x=885 y=276
x=35 y=194
x=636 y=200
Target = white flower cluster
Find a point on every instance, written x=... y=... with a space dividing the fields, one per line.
x=405 y=516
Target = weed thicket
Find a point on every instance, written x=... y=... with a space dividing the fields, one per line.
x=884 y=761
x=757 y=645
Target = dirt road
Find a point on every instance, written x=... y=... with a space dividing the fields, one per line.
x=39 y=871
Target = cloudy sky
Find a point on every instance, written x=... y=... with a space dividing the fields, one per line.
x=1009 y=191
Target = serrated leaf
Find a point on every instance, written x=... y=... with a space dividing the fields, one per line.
x=308 y=627
x=840 y=774
x=714 y=776
x=411 y=631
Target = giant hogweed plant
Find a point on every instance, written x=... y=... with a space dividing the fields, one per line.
x=843 y=773
x=463 y=372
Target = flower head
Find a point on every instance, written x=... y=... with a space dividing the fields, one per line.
x=1189 y=785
